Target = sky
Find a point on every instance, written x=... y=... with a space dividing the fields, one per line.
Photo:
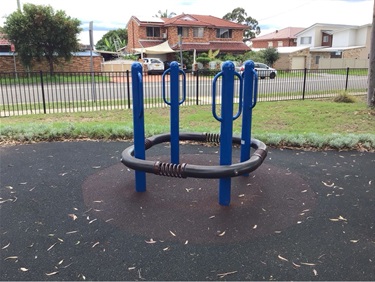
x=271 y=14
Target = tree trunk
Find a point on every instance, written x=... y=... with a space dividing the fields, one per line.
x=371 y=70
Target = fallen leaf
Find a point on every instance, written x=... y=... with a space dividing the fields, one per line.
x=166 y=249
x=186 y=242
x=131 y=268
x=255 y=226
x=12 y=257
x=211 y=217
x=296 y=265
x=241 y=196
x=222 y=275
x=151 y=241
x=72 y=215
x=51 y=247
x=52 y=273
x=282 y=258
x=60 y=262
x=315 y=272
x=308 y=263
x=6 y=246
x=354 y=241
x=93 y=246
x=221 y=234
x=172 y=233
x=328 y=185
x=24 y=269
x=71 y=232
x=96 y=167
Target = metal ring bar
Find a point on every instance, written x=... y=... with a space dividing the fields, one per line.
x=188 y=170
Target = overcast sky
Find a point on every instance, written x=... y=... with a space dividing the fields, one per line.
x=271 y=14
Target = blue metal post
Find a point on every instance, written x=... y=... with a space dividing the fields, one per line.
x=249 y=100
x=226 y=129
x=174 y=113
x=138 y=124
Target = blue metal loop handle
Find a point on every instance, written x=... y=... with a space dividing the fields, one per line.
x=140 y=93
x=240 y=102
x=183 y=87
x=255 y=88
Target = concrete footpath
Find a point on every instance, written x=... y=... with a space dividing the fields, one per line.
x=68 y=211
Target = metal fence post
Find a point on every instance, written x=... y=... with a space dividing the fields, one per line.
x=347 y=78
x=197 y=88
x=304 y=84
x=43 y=95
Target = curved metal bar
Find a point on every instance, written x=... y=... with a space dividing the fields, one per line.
x=188 y=170
x=163 y=86
x=240 y=102
x=183 y=87
x=214 y=96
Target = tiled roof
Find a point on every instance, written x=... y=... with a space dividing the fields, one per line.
x=215 y=45
x=150 y=43
x=284 y=33
x=202 y=20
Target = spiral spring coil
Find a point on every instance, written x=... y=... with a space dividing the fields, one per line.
x=168 y=169
x=213 y=137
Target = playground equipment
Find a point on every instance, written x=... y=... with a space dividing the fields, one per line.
x=134 y=156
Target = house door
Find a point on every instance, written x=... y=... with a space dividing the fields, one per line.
x=298 y=62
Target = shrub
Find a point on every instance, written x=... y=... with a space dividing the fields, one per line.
x=344 y=97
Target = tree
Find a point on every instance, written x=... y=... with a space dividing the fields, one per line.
x=39 y=33
x=239 y=15
x=107 y=42
x=270 y=55
x=371 y=69
x=165 y=14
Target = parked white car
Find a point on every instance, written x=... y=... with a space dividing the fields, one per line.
x=263 y=70
x=154 y=65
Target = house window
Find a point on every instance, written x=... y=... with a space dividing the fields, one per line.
x=325 y=38
x=223 y=33
x=183 y=31
x=153 y=31
x=317 y=58
x=198 y=31
x=270 y=44
x=279 y=43
x=306 y=40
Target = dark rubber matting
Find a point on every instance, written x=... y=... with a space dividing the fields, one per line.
x=68 y=211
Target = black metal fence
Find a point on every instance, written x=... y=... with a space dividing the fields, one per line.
x=40 y=92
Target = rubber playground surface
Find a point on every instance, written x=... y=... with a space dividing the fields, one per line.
x=69 y=211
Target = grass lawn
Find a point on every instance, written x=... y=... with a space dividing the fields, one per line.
x=308 y=123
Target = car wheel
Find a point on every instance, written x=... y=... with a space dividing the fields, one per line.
x=272 y=75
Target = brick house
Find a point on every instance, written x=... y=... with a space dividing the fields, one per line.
x=280 y=38
x=197 y=32
x=80 y=61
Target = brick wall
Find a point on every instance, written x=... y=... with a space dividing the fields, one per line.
x=76 y=64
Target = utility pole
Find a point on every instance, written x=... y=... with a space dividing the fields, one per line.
x=371 y=66
x=18 y=5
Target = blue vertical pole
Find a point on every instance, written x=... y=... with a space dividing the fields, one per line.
x=248 y=97
x=226 y=130
x=174 y=113
x=138 y=124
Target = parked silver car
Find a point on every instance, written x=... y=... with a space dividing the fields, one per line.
x=263 y=70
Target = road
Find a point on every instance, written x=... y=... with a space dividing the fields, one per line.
x=81 y=94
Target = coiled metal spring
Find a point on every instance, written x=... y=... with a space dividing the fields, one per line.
x=213 y=137
x=170 y=170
